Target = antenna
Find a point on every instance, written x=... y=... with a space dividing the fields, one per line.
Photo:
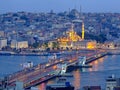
x=69 y=10
x=75 y=7
x=80 y=10
x=81 y=16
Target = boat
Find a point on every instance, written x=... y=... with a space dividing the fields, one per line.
x=61 y=84
x=34 y=88
x=28 y=64
x=92 y=88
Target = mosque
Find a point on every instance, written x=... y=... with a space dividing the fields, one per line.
x=73 y=41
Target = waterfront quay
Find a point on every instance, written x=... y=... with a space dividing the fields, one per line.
x=45 y=71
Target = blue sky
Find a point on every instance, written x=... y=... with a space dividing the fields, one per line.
x=59 y=5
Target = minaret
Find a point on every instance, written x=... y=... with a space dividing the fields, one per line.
x=83 y=31
x=72 y=27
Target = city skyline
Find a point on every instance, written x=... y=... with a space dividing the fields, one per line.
x=59 y=6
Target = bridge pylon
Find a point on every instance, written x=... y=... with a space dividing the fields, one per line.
x=81 y=60
x=61 y=69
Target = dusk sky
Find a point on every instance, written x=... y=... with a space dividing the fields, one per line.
x=59 y=5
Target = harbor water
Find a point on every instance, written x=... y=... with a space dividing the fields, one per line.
x=95 y=76
x=11 y=64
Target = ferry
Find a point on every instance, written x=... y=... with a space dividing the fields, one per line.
x=61 y=84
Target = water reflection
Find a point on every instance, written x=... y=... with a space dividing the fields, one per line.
x=42 y=86
x=96 y=64
x=101 y=60
x=76 y=81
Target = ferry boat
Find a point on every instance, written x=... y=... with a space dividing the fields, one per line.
x=61 y=84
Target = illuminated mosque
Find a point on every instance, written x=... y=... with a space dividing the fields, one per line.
x=74 y=41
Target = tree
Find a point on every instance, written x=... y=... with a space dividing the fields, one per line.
x=36 y=44
x=55 y=44
x=45 y=45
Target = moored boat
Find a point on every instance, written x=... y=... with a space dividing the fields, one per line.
x=61 y=84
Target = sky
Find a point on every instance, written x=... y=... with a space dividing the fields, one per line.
x=59 y=5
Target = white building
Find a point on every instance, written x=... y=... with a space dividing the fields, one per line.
x=112 y=82
x=85 y=44
x=19 y=44
x=3 y=43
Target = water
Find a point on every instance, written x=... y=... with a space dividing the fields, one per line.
x=10 y=64
x=102 y=68
x=95 y=76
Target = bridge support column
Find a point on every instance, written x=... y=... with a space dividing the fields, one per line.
x=82 y=60
x=61 y=69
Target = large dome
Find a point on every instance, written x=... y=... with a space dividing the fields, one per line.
x=71 y=35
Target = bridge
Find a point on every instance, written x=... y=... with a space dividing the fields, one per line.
x=48 y=70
